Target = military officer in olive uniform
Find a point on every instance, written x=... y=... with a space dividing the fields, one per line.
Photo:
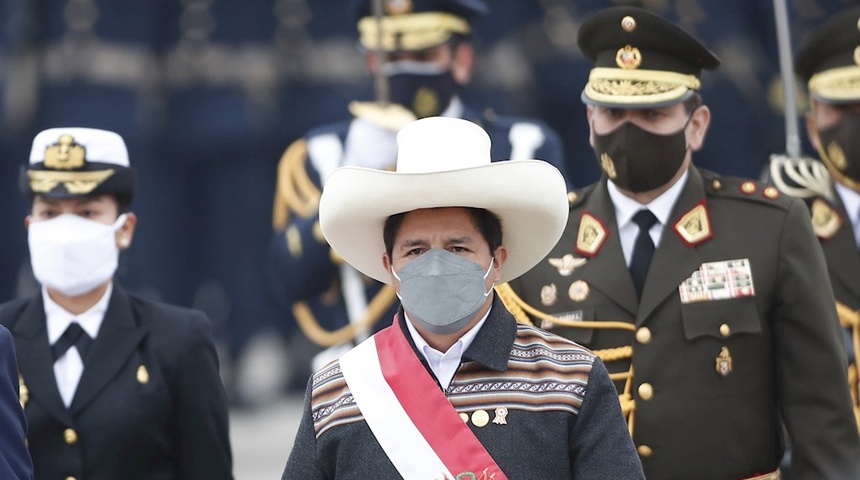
x=706 y=295
x=829 y=60
x=114 y=386
x=426 y=60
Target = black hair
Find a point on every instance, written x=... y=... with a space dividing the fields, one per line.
x=487 y=222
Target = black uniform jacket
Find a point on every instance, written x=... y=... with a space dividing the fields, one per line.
x=712 y=377
x=150 y=403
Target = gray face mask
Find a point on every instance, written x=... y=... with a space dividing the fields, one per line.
x=442 y=291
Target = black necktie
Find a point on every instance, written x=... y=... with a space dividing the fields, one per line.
x=643 y=249
x=74 y=335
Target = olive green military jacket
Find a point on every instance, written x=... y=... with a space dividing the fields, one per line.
x=736 y=326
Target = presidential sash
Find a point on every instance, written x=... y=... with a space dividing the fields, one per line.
x=418 y=428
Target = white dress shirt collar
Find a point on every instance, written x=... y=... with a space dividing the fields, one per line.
x=444 y=365
x=59 y=319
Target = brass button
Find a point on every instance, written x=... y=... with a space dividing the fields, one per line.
x=725 y=330
x=643 y=335
x=70 y=436
x=644 y=451
x=646 y=391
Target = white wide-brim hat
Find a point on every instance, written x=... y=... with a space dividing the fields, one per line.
x=445 y=162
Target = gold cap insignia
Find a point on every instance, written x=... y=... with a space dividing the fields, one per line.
x=628 y=23
x=694 y=227
x=578 y=291
x=548 y=295
x=825 y=220
x=142 y=375
x=567 y=264
x=591 y=235
x=724 y=362
x=628 y=57
x=65 y=154
x=608 y=166
x=398 y=7
x=76 y=183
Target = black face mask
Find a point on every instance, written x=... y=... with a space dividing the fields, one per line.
x=637 y=160
x=840 y=148
x=423 y=88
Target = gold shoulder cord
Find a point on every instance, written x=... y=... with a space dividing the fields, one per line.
x=327 y=338
x=295 y=191
x=521 y=311
x=851 y=319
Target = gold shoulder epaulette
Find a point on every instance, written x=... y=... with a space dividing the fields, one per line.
x=801 y=177
x=295 y=190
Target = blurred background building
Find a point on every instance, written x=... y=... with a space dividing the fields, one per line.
x=208 y=93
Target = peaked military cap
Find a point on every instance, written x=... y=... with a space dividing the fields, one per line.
x=77 y=162
x=411 y=25
x=640 y=59
x=829 y=59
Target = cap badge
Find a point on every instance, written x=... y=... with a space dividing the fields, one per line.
x=825 y=220
x=628 y=23
x=608 y=165
x=65 y=154
x=591 y=235
x=628 y=57
x=398 y=7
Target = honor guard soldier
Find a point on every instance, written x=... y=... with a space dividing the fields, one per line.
x=706 y=295
x=114 y=386
x=421 y=51
x=829 y=61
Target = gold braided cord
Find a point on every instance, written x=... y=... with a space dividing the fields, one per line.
x=295 y=190
x=851 y=319
x=509 y=297
x=327 y=338
x=520 y=309
x=841 y=83
x=415 y=31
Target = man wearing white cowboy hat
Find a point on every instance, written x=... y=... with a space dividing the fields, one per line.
x=455 y=388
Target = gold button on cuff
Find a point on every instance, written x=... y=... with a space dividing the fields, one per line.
x=725 y=330
x=644 y=451
x=646 y=391
x=70 y=436
x=643 y=335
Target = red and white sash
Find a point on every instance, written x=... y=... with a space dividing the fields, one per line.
x=413 y=421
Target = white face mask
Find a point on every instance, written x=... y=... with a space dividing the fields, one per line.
x=73 y=255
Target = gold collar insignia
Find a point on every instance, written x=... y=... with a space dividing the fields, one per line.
x=694 y=227
x=592 y=233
